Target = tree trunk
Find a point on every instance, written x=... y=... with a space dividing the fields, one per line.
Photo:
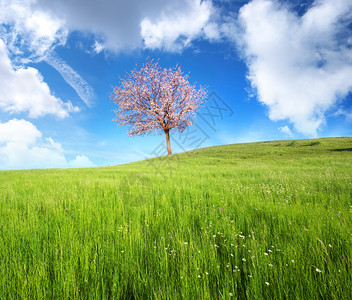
x=168 y=142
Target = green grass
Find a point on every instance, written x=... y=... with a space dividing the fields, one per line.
x=260 y=220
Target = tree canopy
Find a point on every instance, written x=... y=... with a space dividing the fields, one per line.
x=156 y=100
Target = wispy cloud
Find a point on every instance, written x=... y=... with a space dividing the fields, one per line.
x=82 y=88
x=347 y=114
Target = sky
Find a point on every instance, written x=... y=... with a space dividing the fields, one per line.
x=274 y=70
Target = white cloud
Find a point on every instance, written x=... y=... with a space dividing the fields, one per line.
x=286 y=130
x=23 y=90
x=175 y=28
x=126 y=25
x=31 y=34
x=19 y=131
x=22 y=147
x=81 y=161
x=300 y=66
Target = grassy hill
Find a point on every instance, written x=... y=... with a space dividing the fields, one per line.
x=259 y=220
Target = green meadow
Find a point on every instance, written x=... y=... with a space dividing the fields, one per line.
x=269 y=220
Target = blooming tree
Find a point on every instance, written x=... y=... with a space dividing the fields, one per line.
x=156 y=100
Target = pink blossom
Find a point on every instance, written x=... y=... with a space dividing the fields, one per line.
x=156 y=100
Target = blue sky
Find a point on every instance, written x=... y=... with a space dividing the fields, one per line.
x=274 y=70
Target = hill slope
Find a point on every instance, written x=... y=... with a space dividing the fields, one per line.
x=255 y=220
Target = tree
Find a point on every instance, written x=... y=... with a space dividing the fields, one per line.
x=156 y=100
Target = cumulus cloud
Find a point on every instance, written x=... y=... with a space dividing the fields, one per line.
x=300 y=66
x=24 y=90
x=116 y=21
x=126 y=25
x=41 y=25
x=23 y=147
x=18 y=131
x=177 y=26
x=31 y=35
x=81 y=161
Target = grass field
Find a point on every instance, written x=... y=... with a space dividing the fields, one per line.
x=262 y=220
